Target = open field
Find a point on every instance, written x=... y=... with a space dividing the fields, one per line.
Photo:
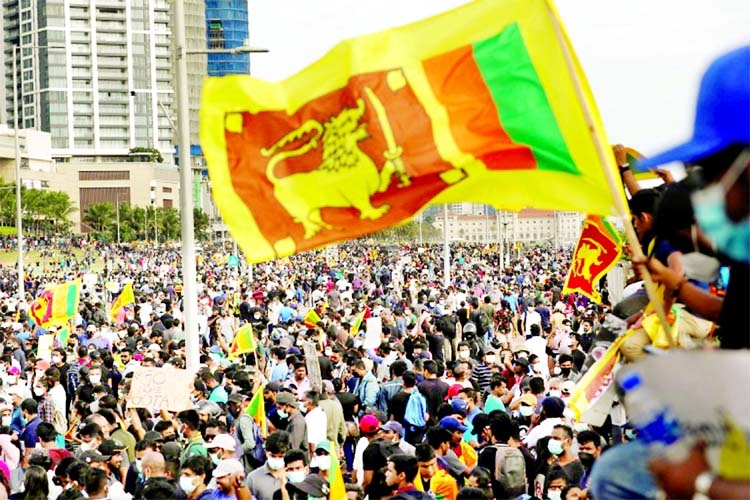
x=33 y=257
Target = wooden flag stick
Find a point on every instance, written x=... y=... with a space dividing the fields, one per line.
x=615 y=186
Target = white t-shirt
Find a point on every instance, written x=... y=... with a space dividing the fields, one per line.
x=317 y=426
x=359 y=452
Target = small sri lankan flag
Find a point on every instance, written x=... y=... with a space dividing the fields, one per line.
x=598 y=250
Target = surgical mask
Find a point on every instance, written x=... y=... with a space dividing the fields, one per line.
x=537 y=368
x=39 y=391
x=464 y=354
x=215 y=458
x=709 y=204
x=555 y=447
x=302 y=408
x=275 y=463
x=39 y=373
x=322 y=462
x=138 y=465
x=554 y=393
x=490 y=358
x=187 y=484
x=554 y=494
x=587 y=459
x=86 y=446
x=296 y=476
x=7 y=420
x=56 y=359
x=328 y=352
x=526 y=411
x=283 y=414
x=95 y=379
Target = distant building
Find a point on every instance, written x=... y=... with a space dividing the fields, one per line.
x=227 y=27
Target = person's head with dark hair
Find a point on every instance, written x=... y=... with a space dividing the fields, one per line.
x=469 y=493
x=430 y=369
x=166 y=429
x=410 y=379
x=552 y=407
x=557 y=479
x=296 y=466
x=96 y=484
x=91 y=436
x=535 y=330
x=589 y=447
x=194 y=475
x=46 y=432
x=277 y=444
x=71 y=494
x=190 y=422
x=439 y=439
x=398 y=368
x=501 y=427
x=77 y=472
x=480 y=478
x=35 y=483
x=61 y=471
x=401 y=471
x=643 y=207
x=109 y=415
x=561 y=440
x=426 y=461
x=108 y=402
x=536 y=385
x=311 y=400
x=29 y=409
x=159 y=488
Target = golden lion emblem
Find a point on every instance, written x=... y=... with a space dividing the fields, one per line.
x=587 y=257
x=347 y=177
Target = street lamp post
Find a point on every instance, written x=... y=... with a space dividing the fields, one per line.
x=189 y=271
x=118 y=217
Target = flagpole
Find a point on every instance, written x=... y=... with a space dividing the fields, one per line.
x=446 y=250
x=615 y=187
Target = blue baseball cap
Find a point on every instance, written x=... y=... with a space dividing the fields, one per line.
x=452 y=424
x=722 y=115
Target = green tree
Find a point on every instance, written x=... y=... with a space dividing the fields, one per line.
x=201 y=223
x=169 y=223
x=151 y=153
x=100 y=217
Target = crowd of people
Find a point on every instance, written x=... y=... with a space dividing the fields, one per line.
x=463 y=392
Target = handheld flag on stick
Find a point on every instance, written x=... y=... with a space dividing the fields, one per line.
x=598 y=250
x=357 y=323
x=56 y=304
x=124 y=298
x=335 y=478
x=243 y=342
x=63 y=335
x=387 y=123
x=311 y=318
x=257 y=411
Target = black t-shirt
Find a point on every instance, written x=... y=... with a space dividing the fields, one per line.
x=374 y=460
x=579 y=358
x=434 y=391
x=348 y=402
x=735 y=319
x=326 y=368
x=397 y=405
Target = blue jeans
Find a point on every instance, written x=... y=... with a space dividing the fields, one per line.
x=622 y=472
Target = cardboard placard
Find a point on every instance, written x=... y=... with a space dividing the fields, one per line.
x=44 y=347
x=313 y=366
x=161 y=388
x=374 y=333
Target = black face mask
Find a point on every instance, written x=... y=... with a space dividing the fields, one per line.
x=587 y=459
x=170 y=437
x=565 y=371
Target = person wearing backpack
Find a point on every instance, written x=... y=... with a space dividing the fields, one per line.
x=506 y=463
x=375 y=461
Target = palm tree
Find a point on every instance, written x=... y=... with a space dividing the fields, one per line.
x=99 y=216
x=169 y=223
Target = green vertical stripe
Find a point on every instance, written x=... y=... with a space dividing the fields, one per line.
x=520 y=98
x=72 y=300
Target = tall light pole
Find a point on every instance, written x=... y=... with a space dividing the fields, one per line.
x=17 y=145
x=118 y=217
x=189 y=272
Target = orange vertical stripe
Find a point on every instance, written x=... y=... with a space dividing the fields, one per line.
x=475 y=124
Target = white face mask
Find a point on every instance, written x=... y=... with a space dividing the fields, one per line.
x=526 y=411
x=6 y=420
x=554 y=495
x=554 y=393
x=490 y=359
x=39 y=391
x=464 y=354
x=56 y=359
x=321 y=462
x=275 y=463
x=188 y=484
x=95 y=379
x=328 y=352
x=39 y=373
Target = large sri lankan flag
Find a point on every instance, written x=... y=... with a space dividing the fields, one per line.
x=477 y=104
x=56 y=305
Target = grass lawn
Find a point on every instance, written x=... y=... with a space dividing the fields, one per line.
x=31 y=258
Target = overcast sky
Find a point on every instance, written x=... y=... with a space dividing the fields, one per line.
x=643 y=58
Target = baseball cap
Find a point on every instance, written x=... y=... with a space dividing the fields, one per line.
x=227 y=466
x=528 y=399
x=324 y=446
x=567 y=387
x=452 y=424
x=392 y=426
x=459 y=405
x=110 y=447
x=285 y=398
x=171 y=451
x=90 y=456
x=223 y=441
x=14 y=370
x=722 y=114
x=553 y=407
x=42 y=364
x=153 y=436
x=313 y=485
x=369 y=424
x=453 y=391
x=236 y=398
x=521 y=361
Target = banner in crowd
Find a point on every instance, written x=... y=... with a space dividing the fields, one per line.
x=56 y=305
x=163 y=388
x=494 y=110
x=598 y=250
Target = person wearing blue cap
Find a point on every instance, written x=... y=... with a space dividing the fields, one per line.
x=458 y=447
x=718 y=161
